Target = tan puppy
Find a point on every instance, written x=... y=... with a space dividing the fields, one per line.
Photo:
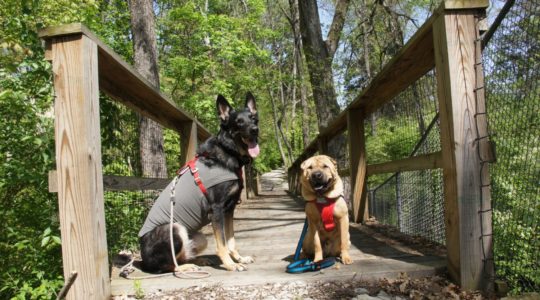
x=326 y=210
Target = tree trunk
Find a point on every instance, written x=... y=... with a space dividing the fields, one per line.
x=366 y=26
x=145 y=60
x=319 y=55
x=276 y=129
x=294 y=21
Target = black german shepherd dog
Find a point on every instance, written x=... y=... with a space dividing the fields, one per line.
x=218 y=163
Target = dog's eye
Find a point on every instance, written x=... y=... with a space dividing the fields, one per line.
x=240 y=121
x=310 y=168
x=325 y=166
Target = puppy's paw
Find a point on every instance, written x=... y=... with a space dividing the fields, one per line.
x=246 y=259
x=346 y=259
x=187 y=268
x=236 y=267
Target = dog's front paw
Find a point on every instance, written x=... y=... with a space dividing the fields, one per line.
x=236 y=267
x=246 y=259
x=346 y=259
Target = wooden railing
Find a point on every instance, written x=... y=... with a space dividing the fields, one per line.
x=449 y=42
x=82 y=67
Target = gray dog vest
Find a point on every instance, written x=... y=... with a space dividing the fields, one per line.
x=191 y=207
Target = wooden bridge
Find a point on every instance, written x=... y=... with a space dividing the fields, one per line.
x=268 y=227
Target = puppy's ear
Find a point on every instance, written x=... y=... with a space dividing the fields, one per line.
x=223 y=108
x=305 y=164
x=333 y=162
x=250 y=103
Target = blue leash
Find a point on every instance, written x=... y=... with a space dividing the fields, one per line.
x=305 y=265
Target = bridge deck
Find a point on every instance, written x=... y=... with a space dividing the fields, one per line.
x=268 y=228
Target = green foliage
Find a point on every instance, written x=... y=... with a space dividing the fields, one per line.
x=393 y=141
x=124 y=215
x=139 y=291
x=513 y=96
x=29 y=238
x=211 y=52
x=229 y=48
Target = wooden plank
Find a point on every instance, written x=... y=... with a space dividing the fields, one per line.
x=53 y=181
x=465 y=4
x=454 y=36
x=121 y=82
x=119 y=183
x=78 y=161
x=357 y=157
x=126 y=183
x=270 y=232
x=415 y=163
x=188 y=141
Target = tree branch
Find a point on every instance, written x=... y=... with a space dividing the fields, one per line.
x=337 y=26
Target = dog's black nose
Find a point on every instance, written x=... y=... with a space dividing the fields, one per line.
x=254 y=130
x=317 y=175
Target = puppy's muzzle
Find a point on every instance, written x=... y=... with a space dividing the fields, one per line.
x=319 y=182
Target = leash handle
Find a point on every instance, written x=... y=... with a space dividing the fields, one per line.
x=304 y=265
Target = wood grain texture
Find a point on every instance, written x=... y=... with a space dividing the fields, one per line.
x=420 y=162
x=465 y=4
x=358 y=163
x=188 y=141
x=78 y=162
x=119 y=183
x=268 y=228
x=121 y=82
x=456 y=76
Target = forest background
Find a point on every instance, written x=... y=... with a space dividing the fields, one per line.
x=205 y=48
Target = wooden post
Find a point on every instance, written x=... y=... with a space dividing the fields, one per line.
x=357 y=157
x=454 y=34
x=188 y=141
x=78 y=164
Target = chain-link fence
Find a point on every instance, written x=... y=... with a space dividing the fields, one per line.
x=407 y=126
x=412 y=201
x=127 y=205
x=512 y=64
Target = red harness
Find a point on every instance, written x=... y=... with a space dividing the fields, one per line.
x=326 y=209
x=190 y=165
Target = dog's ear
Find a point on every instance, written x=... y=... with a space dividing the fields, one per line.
x=223 y=108
x=333 y=161
x=250 y=103
x=306 y=163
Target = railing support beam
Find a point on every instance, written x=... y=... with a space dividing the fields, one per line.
x=454 y=33
x=188 y=141
x=358 y=163
x=78 y=164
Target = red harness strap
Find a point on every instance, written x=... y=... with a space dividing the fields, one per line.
x=195 y=172
x=326 y=209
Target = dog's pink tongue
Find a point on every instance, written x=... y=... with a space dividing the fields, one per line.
x=253 y=149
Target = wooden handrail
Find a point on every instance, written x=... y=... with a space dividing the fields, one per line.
x=121 y=82
x=449 y=42
x=413 y=61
